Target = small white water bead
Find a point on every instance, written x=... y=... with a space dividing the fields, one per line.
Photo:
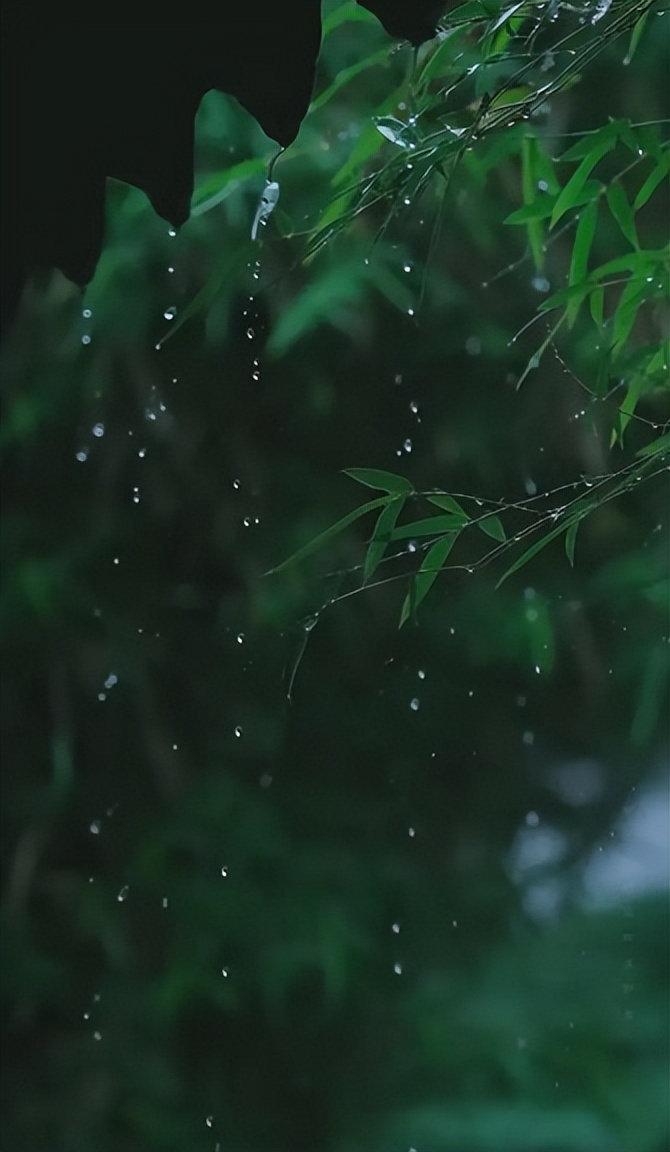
x=123 y=894
x=170 y=313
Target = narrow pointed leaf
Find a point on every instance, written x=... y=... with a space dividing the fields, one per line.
x=432 y=526
x=652 y=182
x=492 y=526
x=570 y=538
x=622 y=212
x=568 y=198
x=580 y=258
x=324 y=537
x=426 y=576
x=378 y=478
x=381 y=537
x=448 y=504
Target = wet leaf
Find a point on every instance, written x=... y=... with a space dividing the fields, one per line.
x=378 y=478
x=329 y=534
x=430 y=569
x=382 y=535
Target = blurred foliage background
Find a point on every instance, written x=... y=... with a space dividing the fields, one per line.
x=277 y=874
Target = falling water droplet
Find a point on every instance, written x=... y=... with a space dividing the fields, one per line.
x=95 y=827
x=407 y=445
x=98 y=430
x=82 y=455
x=240 y=638
x=123 y=894
x=395 y=928
x=224 y=973
x=238 y=731
x=86 y=339
x=111 y=680
x=224 y=871
x=170 y=313
x=414 y=704
x=397 y=968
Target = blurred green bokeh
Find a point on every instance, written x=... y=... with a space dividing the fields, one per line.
x=375 y=916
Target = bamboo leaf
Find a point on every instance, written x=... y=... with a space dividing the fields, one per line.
x=657 y=447
x=492 y=526
x=569 y=197
x=378 y=478
x=570 y=540
x=381 y=537
x=580 y=258
x=431 y=526
x=622 y=212
x=324 y=537
x=448 y=504
x=426 y=576
x=656 y=177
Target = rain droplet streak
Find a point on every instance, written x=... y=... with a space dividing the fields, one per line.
x=224 y=871
x=240 y=638
x=123 y=894
x=238 y=731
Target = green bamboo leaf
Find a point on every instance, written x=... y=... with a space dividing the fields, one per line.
x=431 y=526
x=324 y=537
x=576 y=513
x=533 y=551
x=622 y=212
x=636 y=36
x=448 y=504
x=426 y=576
x=597 y=305
x=535 y=230
x=580 y=258
x=381 y=537
x=492 y=526
x=630 y=301
x=642 y=262
x=569 y=197
x=378 y=478
x=657 y=447
x=584 y=146
x=540 y=209
x=656 y=177
x=570 y=539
